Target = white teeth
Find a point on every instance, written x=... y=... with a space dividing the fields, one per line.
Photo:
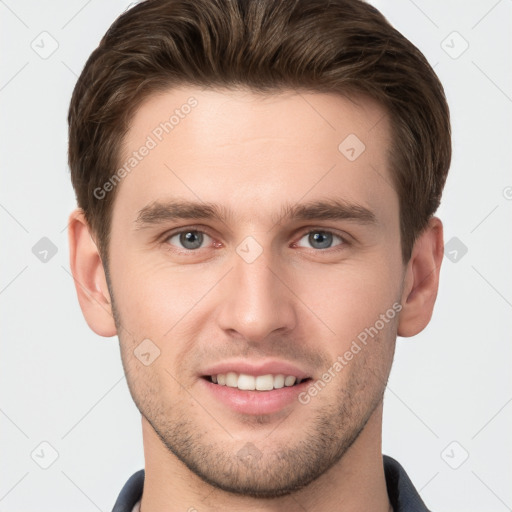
x=289 y=381
x=279 y=381
x=251 y=383
x=232 y=379
x=246 y=382
x=264 y=382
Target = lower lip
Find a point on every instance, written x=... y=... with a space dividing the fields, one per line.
x=255 y=402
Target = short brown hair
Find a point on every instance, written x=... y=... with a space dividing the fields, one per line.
x=340 y=46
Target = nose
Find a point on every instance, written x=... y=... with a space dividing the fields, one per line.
x=257 y=300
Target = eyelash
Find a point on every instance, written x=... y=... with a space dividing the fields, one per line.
x=197 y=229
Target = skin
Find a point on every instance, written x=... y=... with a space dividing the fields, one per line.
x=296 y=302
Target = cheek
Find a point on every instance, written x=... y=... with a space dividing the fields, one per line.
x=153 y=296
x=349 y=297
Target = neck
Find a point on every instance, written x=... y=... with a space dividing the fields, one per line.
x=356 y=483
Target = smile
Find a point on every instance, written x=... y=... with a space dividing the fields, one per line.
x=248 y=382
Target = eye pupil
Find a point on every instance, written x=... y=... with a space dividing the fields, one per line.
x=325 y=239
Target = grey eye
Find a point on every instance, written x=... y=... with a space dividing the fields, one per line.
x=321 y=239
x=190 y=239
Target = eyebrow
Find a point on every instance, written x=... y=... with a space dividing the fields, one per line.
x=159 y=212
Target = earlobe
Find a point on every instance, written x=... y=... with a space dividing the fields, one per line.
x=422 y=280
x=89 y=276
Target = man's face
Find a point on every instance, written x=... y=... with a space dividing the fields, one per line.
x=257 y=292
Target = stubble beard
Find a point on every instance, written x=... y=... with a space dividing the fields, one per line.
x=269 y=471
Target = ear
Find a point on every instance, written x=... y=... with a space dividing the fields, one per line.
x=422 y=280
x=89 y=276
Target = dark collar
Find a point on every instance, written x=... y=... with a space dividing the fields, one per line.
x=402 y=494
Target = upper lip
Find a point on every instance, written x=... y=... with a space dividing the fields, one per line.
x=255 y=368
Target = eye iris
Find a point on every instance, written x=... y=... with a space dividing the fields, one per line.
x=325 y=239
x=191 y=237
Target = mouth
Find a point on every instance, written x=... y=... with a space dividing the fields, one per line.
x=255 y=387
x=246 y=382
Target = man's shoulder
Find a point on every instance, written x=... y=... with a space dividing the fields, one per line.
x=402 y=494
x=130 y=493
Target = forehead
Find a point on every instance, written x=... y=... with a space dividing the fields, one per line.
x=254 y=152
x=240 y=114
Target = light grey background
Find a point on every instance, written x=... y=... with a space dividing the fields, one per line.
x=450 y=391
